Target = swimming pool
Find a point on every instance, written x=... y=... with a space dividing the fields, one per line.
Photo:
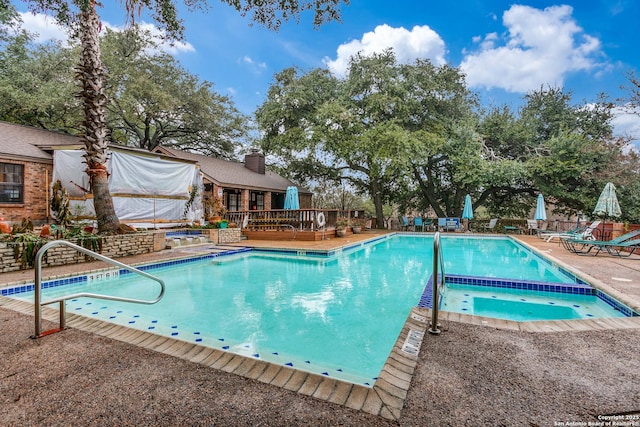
x=335 y=314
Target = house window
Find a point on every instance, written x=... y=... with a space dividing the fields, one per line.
x=11 y=183
x=257 y=201
x=233 y=201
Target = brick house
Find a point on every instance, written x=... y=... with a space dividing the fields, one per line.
x=26 y=166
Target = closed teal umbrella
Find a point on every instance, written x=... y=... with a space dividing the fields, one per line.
x=467 y=212
x=541 y=212
x=608 y=206
x=291 y=200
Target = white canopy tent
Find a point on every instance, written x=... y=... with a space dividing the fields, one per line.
x=147 y=190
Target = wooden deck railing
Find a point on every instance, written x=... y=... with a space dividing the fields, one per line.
x=300 y=219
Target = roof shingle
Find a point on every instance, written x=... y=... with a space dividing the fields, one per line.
x=23 y=142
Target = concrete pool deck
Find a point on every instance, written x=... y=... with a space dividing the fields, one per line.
x=474 y=373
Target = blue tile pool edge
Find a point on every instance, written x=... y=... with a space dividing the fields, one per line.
x=52 y=283
x=529 y=285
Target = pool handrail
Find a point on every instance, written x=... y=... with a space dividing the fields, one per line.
x=38 y=280
x=438 y=283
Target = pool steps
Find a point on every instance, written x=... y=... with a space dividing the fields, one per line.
x=176 y=242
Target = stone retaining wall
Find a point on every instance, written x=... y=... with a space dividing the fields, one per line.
x=113 y=247
x=224 y=235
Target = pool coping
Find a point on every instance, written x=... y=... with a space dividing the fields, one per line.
x=386 y=397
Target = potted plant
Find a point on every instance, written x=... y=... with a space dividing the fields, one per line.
x=214 y=209
x=341 y=226
x=357 y=224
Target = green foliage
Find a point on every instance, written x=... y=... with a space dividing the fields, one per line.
x=37 y=84
x=270 y=13
x=192 y=197
x=25 y=248
x=155 y=101
x=25 y=226
x=409 y=135
x=366 y=129
x=59 y=203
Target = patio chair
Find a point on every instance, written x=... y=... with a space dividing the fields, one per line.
x=613 y=246
x=585 y=233
x=532 y=226
x=488 y=228
x=427 y=224
x=404 y=223
x=417 y=222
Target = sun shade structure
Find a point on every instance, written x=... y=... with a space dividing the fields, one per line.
x=608 y=205
x=467 y=212
x=291 y=200
x=541 y=212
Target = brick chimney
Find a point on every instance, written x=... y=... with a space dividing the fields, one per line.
x=255 y=161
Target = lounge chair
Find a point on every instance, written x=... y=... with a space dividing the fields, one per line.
x=417 y=222
x=614 y=246
x=624 y=249
x=584 y=233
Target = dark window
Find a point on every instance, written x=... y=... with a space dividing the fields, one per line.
x=257 y=201
x=233 y=201
x=11 y=183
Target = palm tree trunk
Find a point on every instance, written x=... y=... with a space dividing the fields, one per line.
x=89 y=72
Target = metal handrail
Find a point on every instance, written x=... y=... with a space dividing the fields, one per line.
x=438 y=284
x=38 y=280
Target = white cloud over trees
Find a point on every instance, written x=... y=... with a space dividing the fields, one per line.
x=539 y=48
x=45 y=29
x=420 y=42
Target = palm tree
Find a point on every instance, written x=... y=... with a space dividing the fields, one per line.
x=90 y=74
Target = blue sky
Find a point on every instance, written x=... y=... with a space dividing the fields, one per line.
x=505 y=49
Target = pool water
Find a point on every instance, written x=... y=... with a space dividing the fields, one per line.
x=338 y=316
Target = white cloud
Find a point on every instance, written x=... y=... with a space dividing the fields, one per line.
x=421 y=42
x=539 y=48
x=627 y=124
x=47 y=29
x=256 y=67
x=44 y=27
x=172 y=48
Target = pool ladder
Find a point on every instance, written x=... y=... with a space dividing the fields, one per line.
x=38 y=280
x=438 y=284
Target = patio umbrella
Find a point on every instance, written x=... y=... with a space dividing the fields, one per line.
x=291 y=198
x=467 y=211
x=541 y=212
x=607 y=205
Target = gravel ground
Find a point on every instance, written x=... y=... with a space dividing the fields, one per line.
x=468 y=376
